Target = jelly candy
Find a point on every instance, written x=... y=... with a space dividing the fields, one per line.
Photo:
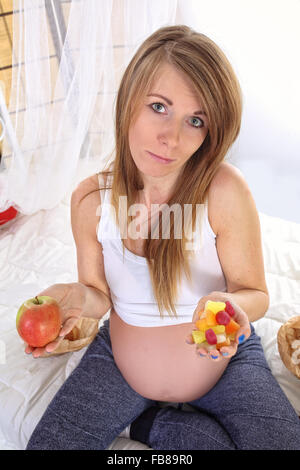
x=232 y=327
x=211 y=336
x=218 y=329
x=209 y=347
x=221 y=338
x=223 y=318
x=201 y=324
x=229 y=309
x=214 y=306
x=225 y=343
x=211 y=318
x=215 y=327
x=198 y=336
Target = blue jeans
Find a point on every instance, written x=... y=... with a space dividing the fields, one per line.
x=246 y=409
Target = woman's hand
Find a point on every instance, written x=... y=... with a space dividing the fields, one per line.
x=240 y=317
x=71 y=299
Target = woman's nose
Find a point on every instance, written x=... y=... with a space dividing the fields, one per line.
x=170 y=134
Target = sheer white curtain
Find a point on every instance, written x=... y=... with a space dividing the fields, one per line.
x=68 y=58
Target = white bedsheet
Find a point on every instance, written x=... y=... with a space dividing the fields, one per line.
x=37 y=251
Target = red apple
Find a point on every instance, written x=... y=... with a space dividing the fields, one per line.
x=38 y=321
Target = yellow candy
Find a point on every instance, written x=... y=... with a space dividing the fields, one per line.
x=214 y=306
x=198 y=336
x=218 y=329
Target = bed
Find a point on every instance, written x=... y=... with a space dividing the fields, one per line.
x=38 y=250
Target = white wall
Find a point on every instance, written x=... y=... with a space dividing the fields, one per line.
x=262 y=40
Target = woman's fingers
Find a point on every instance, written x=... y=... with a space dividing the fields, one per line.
x=37 y=352
x=225 y=352
x=242 y=319
x=28 y=349
x=189 y=339
x=68 y=326
x=201 y=351
x=50 y=347
x=229 y=351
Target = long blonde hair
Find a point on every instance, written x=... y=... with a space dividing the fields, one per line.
x=216 y=85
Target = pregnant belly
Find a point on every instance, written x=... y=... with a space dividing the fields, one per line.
x=158 y=364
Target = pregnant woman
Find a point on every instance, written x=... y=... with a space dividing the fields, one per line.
x=155 y=265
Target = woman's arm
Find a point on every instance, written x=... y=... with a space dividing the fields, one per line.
x=254 y=302
x=90 y=296
x=235 y=218
x=96 y=304
x=85 y=219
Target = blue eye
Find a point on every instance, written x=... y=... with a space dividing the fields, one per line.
x=201 y=123
x=159 y=104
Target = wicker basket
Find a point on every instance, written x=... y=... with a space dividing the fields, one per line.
x=288 y=339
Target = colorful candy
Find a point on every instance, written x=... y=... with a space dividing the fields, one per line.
x=214 y=307
x=215 y=327
x=211 y=318
x=232 y=327
x=198 y=336
x=229 y=308
x=222 y=317
x=210 y=336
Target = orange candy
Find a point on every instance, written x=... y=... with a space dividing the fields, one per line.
x=211 y=318
x=201 y=324
x=232 y=327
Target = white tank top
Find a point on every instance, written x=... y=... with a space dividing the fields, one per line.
x=129 y=280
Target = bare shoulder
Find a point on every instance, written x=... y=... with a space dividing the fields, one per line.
x=87 y=194
x=85 y=187
x=228 y=197
x=85 y=206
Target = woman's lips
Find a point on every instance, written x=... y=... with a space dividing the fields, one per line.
x=159 y=159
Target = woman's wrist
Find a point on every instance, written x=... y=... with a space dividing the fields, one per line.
x=95 y=302
x=254 y=302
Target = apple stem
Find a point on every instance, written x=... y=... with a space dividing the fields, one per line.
x=37 y=300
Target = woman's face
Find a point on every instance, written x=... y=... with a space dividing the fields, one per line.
x=172 y=125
